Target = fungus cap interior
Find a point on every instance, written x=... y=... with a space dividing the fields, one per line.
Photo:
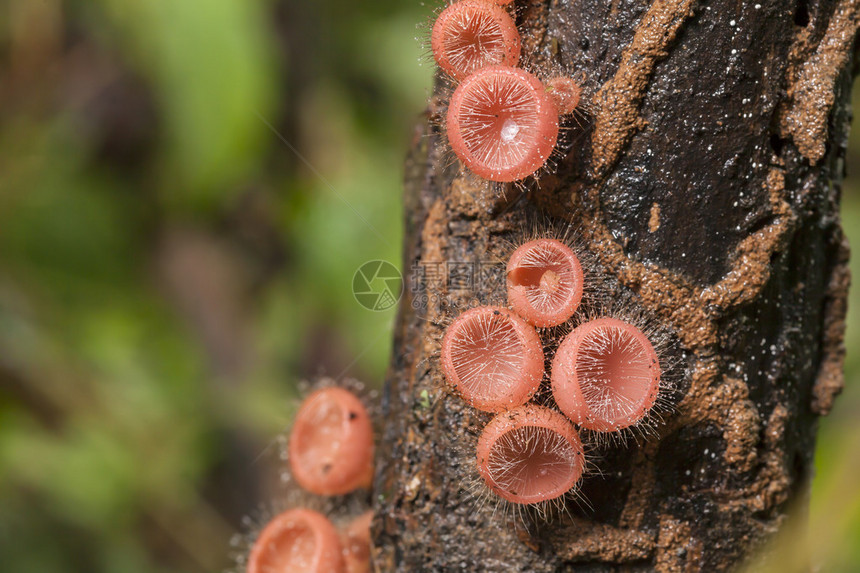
x=487 y=354
x=533 y=463
x=616 y=373
x=292 y=548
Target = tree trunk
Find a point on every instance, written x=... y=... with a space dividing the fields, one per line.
x=705 y=178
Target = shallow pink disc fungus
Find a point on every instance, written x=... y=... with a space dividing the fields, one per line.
x=502 y=124
x=545 y=281
x=297 y=541
x=331 y=443
x=472 y=34
x=565 y=93
x=356 y=544
x=493 y=357
x=605 y=375
x=530 y=455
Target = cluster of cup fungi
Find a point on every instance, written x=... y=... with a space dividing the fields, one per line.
x=605 y=375
x=604 y=382
x=330 y=452
x=502 y=121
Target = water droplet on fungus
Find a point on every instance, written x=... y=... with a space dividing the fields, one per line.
x=502 y=124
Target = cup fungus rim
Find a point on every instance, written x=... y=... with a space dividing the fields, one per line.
x=531 y=415
x=565 y=384
x=518 y=299
x=531 y=366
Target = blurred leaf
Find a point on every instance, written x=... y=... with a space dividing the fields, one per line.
x=211 y=65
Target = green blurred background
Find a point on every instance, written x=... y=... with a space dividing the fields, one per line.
x=186 y=189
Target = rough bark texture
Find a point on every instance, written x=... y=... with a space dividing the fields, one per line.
x=705 y=179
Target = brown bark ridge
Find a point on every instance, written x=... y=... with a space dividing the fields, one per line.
x=705 y=181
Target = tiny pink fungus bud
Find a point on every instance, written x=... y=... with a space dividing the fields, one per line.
x=565 y=93
x=544 y=282
x=297 y=541
x=530 y=455
x=472 y=34
x=605 y=375
x=502 y=124
x=356 y=544
x=493 y=357
x=331 y=443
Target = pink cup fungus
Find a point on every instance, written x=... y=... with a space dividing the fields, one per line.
x=493 y=358
x=331 y=443
x=356 y=544
x=545 y=281
x=605 y=375
x=565 y=93
x=502 y=124
x=297 y=541
x=530 y=455
x=472 y=34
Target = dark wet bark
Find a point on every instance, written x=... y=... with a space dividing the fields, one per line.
x=706 y=180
